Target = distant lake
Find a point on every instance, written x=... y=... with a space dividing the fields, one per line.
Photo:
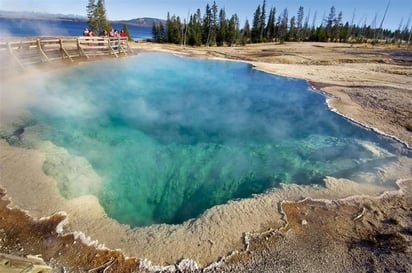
x=10 y=27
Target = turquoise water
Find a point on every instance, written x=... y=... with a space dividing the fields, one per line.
x=173 y=136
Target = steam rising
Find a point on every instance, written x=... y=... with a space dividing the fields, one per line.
x=170 y=136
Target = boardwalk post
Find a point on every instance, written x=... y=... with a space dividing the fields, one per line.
x=81 y=51
x=15 y=58
x=111 y=48
x=64 y=51
x=43 y=55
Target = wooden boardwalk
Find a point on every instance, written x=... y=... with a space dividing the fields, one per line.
x=25 y=52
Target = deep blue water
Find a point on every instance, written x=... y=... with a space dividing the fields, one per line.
x=173 y=136
x=36 y=27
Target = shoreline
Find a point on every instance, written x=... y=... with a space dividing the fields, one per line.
x=176 y=237
x=368 y=127
x=329 y=102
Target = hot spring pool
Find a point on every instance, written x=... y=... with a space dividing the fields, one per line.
x=171 y=136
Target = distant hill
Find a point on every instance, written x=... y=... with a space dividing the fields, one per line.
x=143 y=22
x=41 y=15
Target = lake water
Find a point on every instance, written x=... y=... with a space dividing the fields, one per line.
x=32 y=27
x=173 y=136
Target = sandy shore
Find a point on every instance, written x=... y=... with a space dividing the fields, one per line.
x=370 y=85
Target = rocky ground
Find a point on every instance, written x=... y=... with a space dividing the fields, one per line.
x=356 y=235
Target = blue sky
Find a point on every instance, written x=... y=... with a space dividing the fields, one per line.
x=365 y=10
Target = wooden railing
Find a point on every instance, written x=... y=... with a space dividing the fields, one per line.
x=28 y=51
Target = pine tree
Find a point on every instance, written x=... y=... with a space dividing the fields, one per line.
x=246 y=33
x=195 y=29
x=306 y=28
x=330 y=22
x=169 y=27
x=126 y=31
x=344 y=33
x=337 y=27
x=185 y=29
x=262 y=22
x=102 y=22
x=292 y=34
x=155 y=32
x=207 y=23
x=177 y=27
x=213 y=25
x=299 y=25
x=222 y=28
x=91 y=15
x=321 y=34
x=233 y=30
x=97 y=20
x=270 y=27
x=161 y=32
x=173 y=30
x=283 y=26
x=255 y=33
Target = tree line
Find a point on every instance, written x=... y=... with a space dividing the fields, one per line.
x=215 y=28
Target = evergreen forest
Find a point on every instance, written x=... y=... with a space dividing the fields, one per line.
x=214 y=27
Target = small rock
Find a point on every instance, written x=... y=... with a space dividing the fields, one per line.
x=304 y=222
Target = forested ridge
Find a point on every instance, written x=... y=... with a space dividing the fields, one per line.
x=214 y=27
